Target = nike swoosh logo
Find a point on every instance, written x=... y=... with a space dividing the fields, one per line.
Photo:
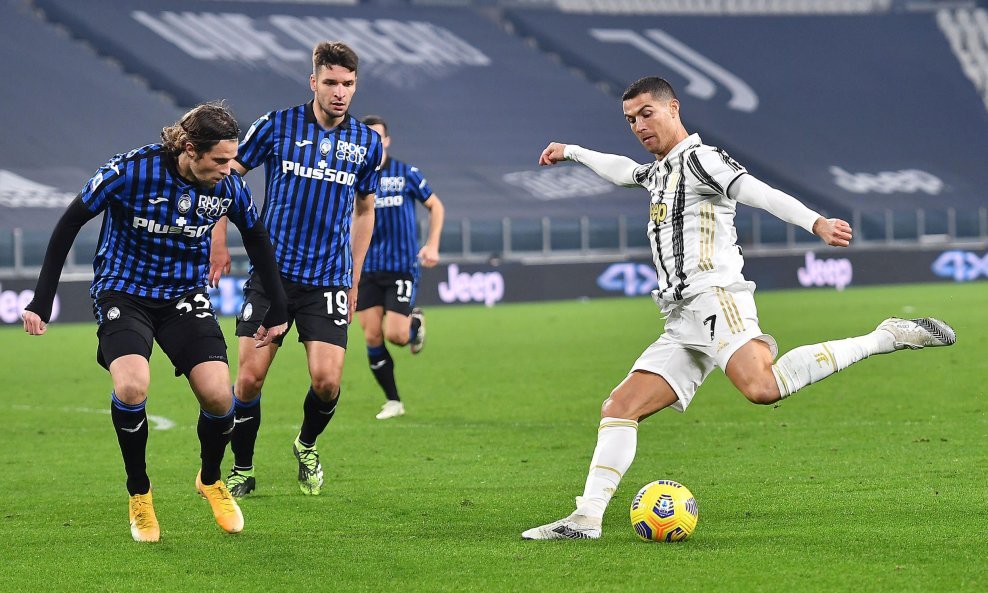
x=239 y=420
x=303 y=143
x=157 y=200
x=136 y=428
x=378 y=365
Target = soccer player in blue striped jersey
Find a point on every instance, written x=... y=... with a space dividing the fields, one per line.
x=321 y=167
x=159 y=204
x=386 y=303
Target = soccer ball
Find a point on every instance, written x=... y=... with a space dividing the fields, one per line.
x=664 y=511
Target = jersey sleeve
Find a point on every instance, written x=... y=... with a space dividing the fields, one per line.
x=418 y=185
x=242 y=211
x=104 y=185
x=370 y=173
x=714 y=170
x=258 y=142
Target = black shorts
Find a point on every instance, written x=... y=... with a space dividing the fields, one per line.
x=319 y=312
x=395 y=291
x=185 y=328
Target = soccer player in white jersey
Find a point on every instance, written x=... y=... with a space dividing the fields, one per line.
x=710 y=312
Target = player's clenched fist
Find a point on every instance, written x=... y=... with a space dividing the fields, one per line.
x=552 y=154
x=33 y=324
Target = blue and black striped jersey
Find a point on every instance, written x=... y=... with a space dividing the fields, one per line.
x=394 y=245
x=155 y=237
x=311 y=178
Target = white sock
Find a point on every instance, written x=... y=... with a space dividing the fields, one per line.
x=808 y=364
x=617 y=439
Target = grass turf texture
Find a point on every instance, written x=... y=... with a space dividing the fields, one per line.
x=873 y=480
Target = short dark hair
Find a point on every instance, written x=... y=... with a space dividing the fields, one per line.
x=653 y=85
x=376 y=120
x=204 y=125
x=333 y=53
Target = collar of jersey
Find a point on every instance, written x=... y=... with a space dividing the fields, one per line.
x=691 y=140
x=310 y=118
x=171 y=163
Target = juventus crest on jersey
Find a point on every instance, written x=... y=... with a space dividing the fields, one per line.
x=691 y=219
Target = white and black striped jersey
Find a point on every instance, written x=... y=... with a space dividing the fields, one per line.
x=691 y=219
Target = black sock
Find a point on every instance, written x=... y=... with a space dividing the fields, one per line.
x=413 y=330
x=214 y=434
x=383 y=367
x=131 y=425
x=247 y=421
x=316 y=414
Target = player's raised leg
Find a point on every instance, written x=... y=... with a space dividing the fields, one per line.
x=752 y=371
x=416 y=337
x=640 y=395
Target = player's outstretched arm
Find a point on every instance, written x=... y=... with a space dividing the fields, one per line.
x=619 y=170
x=62 y=237
x=750 y=190
x=219 y=253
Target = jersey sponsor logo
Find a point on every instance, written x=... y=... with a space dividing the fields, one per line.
x=319 y=174
x=392 y=185
x=905 y=181
x=388 y=201
x=480 y=287
x=961 y=266
x=701 y=73
x=350 y=152
x=209 y=206
x=657 y=212
x=836 y=272
x=156 y=228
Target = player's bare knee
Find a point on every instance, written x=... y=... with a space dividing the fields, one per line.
x=248 y=386
x=762 y=393
x=397 y=338
x=131 y=391
x=326 y=388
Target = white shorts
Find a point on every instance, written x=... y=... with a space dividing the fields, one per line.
x=700 y=333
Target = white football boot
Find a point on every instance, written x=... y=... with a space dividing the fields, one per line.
x=918 y=333
x=572 y=527
x=391 y=409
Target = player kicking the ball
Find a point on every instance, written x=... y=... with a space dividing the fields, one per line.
x=711 y=319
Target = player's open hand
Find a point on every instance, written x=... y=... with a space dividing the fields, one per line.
x=552 y=154
x=429 y=256
x=833 y=231
x=33 y=324
x=219 y=263
x=265 y=336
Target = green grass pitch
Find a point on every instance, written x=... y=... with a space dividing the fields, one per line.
x=874 y=480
